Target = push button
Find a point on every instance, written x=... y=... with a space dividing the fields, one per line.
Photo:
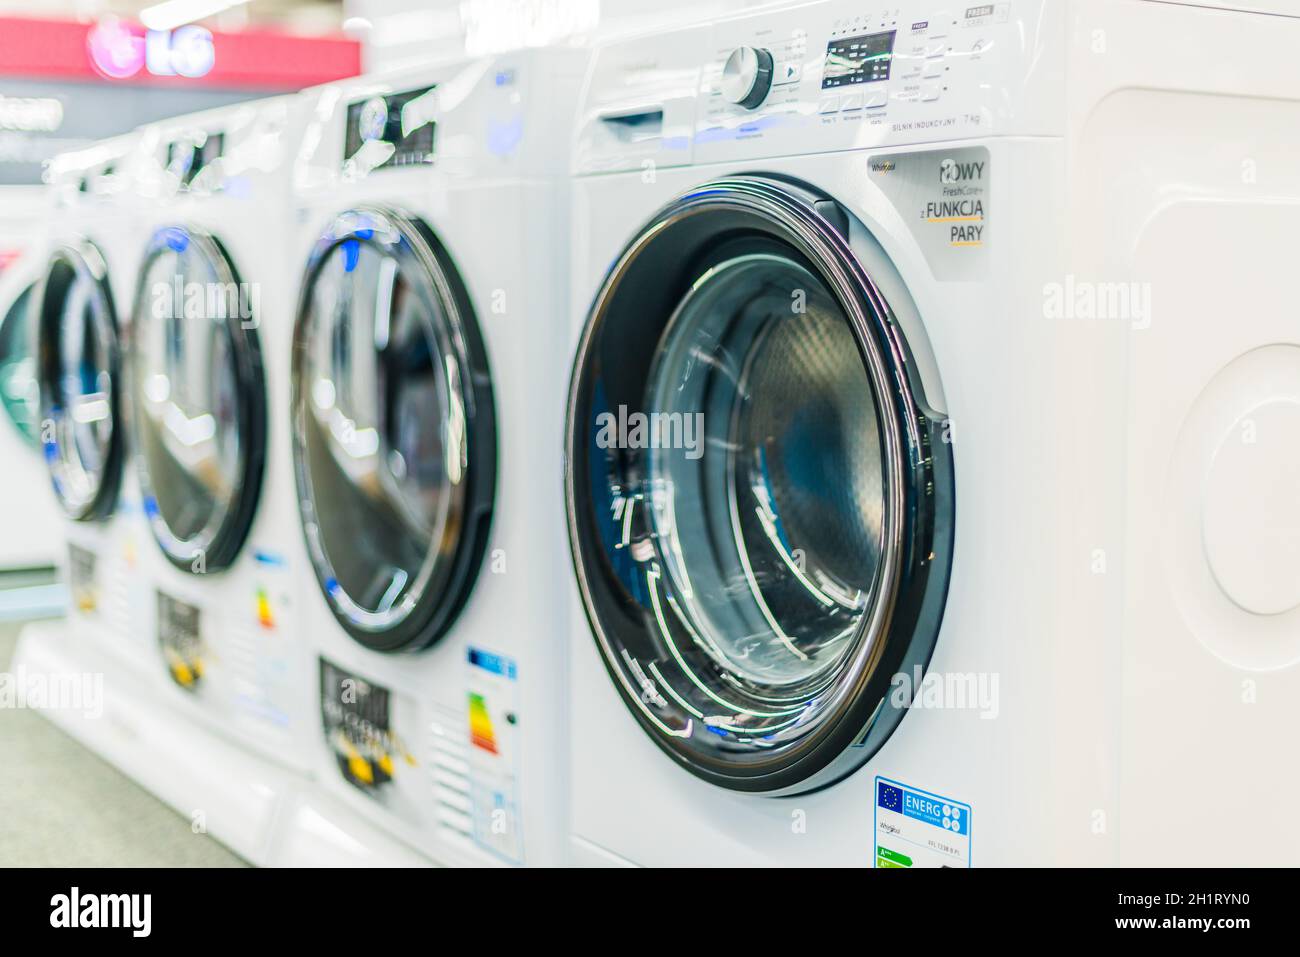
x=876 y=99
x=830 y=104
x=852 y=102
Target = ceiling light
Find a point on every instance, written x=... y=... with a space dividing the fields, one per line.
x=176 y=13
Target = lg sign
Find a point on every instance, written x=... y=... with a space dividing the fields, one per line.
x=120 y=50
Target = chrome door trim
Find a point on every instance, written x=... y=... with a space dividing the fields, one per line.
x=918 y=470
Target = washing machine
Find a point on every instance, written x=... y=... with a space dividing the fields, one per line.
x=27 y=510
x=428 y=380
x=208 y=359
x=1211 y=641
x=81 y=305
x=903 y=336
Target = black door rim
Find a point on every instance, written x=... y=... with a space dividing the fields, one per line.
x=445 y=582
x=903 y=623
x=20 y=310
x=83 y=261
x=217 y=548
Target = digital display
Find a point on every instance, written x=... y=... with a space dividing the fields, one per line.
x=863 y=59
x=186 y=159
x=181 y=640
x=402 y=121
x=212 y=148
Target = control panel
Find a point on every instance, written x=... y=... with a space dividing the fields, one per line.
x=827 y=76
x=190 y=155
x=393 y=130
x=439 y=123
x=848 y=75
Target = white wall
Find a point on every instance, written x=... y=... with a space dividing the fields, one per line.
x=402 y=30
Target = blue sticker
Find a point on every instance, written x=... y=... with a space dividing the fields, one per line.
x=174 y=238
x=351 y=252
x=912 y=827
x=494 y=663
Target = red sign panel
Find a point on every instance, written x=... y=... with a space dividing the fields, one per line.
x=116 y=51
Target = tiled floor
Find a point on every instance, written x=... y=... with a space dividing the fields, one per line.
x=61 y=805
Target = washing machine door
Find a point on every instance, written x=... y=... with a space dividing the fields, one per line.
x=198 y=398
x=759 y=502
x=394 y=434
x=19 y=388
x=78 y=371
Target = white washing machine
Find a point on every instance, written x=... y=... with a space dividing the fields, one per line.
x=893 y=322
x=428 y=376
x=209 y=360
x=81 y=308
x=1210 y=654
x=27 y=510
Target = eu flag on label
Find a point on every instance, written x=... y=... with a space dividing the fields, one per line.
x=889 y=797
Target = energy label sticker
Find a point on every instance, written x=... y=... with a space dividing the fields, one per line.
x=914 y=828
x=494 y=754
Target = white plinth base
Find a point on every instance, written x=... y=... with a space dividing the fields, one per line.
x=268 y=816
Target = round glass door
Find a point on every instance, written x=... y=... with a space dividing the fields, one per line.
x=78 y=374
x=394 y=436
x=759 y=505
x=20 y=391
x=199 y=400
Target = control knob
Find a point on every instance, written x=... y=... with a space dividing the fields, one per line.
x=747 y=76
